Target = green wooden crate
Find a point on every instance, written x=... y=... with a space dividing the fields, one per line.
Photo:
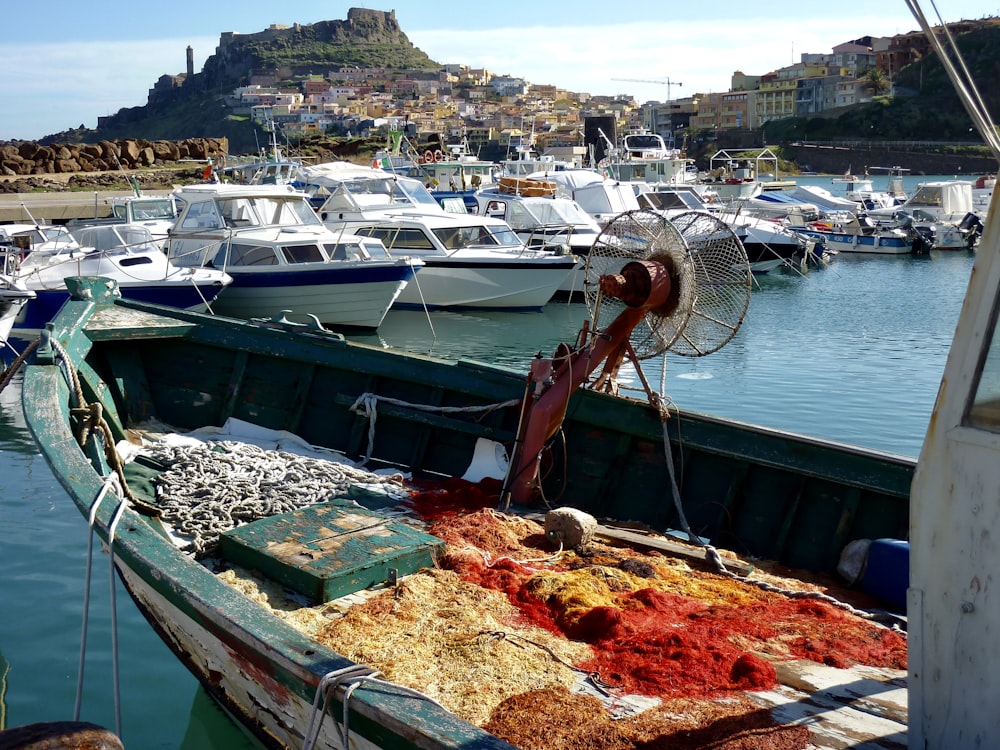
x=329 y=550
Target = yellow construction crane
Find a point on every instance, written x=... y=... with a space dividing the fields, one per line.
x=665 y=81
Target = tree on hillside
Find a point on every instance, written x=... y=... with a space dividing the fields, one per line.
x=875 y=82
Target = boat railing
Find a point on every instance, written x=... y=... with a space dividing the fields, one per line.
x=548 y=236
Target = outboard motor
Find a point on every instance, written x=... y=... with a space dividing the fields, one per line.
x=972 y=227
x=923 y=241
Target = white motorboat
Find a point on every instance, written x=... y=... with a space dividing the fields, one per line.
x=768 y=245
x=453 y=167
x=469 y=261
x=937 y=201
x=13 y=295
x=283 y=258
x=126 y=253
x=861 y=235
x=643 y=156
x=544 y=221
x=861 y=190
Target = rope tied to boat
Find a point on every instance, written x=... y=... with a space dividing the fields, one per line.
x=348 y=678
x=10 y=372
x=111 y=486
x=366 y=405
x=91 y=421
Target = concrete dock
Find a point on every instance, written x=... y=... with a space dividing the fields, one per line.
x=60 y=207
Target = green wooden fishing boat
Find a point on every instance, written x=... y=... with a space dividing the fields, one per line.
x=108 y=368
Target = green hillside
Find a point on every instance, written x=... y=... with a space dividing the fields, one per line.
x=196 y=109
x=924 y=106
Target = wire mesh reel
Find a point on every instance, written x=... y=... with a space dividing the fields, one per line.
x=709 y=271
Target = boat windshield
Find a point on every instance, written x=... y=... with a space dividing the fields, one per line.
x=926 y=195
x=414 y=192
x=546 y=213
x=662 y=200
x=146 y=209
x=644 y=142
x=369 y=192
x=457 y=238
x=267 y=211
x=118 y=237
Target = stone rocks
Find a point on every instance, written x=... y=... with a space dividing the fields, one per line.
x=569 y=527
x=156 y=178
x=28 y=158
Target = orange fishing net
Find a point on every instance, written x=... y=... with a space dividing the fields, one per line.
x=504 y=635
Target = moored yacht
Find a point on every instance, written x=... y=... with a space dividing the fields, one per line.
x=543 y=221
x=768 y=245
x=470 y=261
x=283 y=259
x=126 y=253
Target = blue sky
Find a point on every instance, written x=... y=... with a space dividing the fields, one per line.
x=67 y=63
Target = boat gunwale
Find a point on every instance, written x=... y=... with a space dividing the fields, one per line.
x=152 y=556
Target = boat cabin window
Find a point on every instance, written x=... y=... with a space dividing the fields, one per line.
x=456 y=238
x=371 y=193
x=302 y=254
x=644 y=141
x=146 y=209
x=202 y=215
x=238 y=212
x=520 y=217
x=495 y=209
x=291 y=211
x=502 y=235
x=398 y=238
x=348 y=251
x=984 y=411
x=246 y=255
x=926 y=196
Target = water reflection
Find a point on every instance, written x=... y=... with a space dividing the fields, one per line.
x=506 y=339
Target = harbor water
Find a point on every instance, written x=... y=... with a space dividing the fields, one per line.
x=851 y=352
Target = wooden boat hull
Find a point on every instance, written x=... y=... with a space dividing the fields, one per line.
x=762 y=492
x=184 y=294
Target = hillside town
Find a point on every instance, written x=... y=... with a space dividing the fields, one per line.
x=500 y=112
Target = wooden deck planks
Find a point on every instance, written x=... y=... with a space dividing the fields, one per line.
x=862 y=708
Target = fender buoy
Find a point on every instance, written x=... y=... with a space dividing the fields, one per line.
x=438 y=156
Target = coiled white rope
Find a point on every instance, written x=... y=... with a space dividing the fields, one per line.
x=211 y=487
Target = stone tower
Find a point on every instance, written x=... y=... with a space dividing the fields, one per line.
x=190 y=61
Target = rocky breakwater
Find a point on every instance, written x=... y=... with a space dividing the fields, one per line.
x=27 y=166
x=29 y=158
x=60 y=182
